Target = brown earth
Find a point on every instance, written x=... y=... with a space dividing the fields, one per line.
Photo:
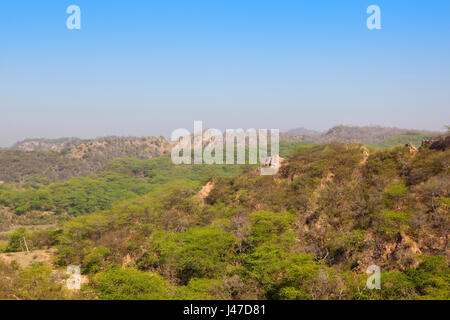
x=25 y=259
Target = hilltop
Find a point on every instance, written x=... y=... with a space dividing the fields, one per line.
x=384 y=136
x=43 y=144
x=109 y=147
x=61 y=159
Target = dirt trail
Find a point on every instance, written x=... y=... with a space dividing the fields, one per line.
x=204 y=192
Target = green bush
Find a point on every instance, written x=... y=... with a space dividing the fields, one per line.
x=16 y=240
x=94 y=259
x=130 y=284
x=204 y=253
x=394 y=193
x=267 y=226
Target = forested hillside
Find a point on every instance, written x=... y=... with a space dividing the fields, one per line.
x=309 y=232
x=61 y=159
x=121 y=179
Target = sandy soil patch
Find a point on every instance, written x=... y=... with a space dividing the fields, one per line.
x=25 y=259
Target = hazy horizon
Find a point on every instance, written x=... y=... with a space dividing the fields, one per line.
x=167 y=137
x=139 y=68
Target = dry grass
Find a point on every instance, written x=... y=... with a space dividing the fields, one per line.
x=25 y=259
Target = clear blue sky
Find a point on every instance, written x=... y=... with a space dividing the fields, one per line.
x=149 y=67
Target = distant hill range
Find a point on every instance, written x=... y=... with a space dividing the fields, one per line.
x=61 y=159
x=364 y=135
x=106 y=147
x=45 y=144
x=140 y=147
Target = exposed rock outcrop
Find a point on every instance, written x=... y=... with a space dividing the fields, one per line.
x=412 y=148
x=442 y=143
